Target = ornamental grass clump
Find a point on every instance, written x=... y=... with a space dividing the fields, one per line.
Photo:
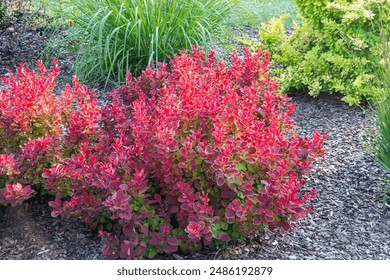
x=381 y=141
x=190 y=154
x=118 y=36
x=381 y=113
x=382 y=138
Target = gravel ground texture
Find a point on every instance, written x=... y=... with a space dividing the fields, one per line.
x=349 y=220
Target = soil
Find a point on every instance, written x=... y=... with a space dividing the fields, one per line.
x=350 y=218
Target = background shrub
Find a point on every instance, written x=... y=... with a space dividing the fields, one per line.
x=336 y=49
x=112 y=37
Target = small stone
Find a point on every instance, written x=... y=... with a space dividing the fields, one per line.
x=80 y=236
x=20 y=247
x=177 y=257
x=10 y=29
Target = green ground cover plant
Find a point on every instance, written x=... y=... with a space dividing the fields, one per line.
x=40 y=13
x=19 y=6
x=334 y=50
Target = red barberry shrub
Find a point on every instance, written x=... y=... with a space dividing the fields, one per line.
x=107 y=186
x=28 y=107
x=229 y=161
x=189 y=154
x=39 y=128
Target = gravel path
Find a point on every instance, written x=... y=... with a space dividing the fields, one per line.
x=348 y=221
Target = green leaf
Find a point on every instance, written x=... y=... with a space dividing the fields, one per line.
x=241 y=166
x=152 y=252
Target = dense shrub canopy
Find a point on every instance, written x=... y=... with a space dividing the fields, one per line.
x=193 y=153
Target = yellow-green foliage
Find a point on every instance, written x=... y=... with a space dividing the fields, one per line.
x=335 y=49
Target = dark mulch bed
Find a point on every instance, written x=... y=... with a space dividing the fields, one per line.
x=21 y=39
x=348 y=222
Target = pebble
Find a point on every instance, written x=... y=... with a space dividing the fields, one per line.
x=80 y=236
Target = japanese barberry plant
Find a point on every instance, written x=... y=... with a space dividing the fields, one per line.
x=39 y=128
x=189 y=154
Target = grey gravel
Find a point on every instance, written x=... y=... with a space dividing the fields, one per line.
x=348 y=221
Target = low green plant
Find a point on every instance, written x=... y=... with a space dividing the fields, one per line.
x=381 y=114
x=3 y=11
x=51 y=8
x=382 y=139
x=37 y=12
x=334 y=50
x=20 y=6
x=112 y=37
